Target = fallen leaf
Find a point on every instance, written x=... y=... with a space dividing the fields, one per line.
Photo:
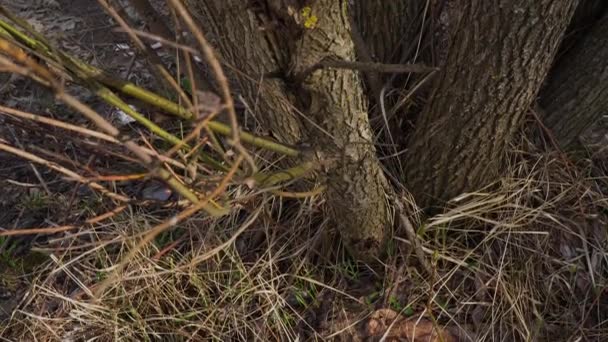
x=401 y=329
x=208 y=103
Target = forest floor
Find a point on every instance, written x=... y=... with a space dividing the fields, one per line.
x=527 y=260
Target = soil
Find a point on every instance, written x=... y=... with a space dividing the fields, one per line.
x=84 y=30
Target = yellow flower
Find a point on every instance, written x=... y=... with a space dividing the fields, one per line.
x=310 y=20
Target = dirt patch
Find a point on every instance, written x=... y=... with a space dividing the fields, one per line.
x=286 y=277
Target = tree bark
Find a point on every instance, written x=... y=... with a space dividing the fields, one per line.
x=383 y=32
x=576 y=93
x=251 y=50
x=390 y=29
x=498 y=54
x=394 y=32
x=271 y=37
x=587 y=13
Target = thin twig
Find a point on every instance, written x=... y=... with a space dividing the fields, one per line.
x=163 y=41
x=412 y=236
x=34 y=168
x=220 y=77
x=151 y=54
x=54 y=230
x=83 y=131
x=314 y=192
x=71 y=174
x=155 y=231
x=366 y=67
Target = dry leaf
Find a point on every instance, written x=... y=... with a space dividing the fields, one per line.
x=402 y=329
x=208 y=103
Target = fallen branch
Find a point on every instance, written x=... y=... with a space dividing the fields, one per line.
x=412 y=236
x=54 y=230
x=366 y=67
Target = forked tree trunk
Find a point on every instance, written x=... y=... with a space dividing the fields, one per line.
x=498 y=54
x=576 y=94
x=246 y=42
x=261 y=37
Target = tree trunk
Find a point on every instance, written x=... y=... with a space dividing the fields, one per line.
x=394 y=32
x=587 y=13
x=576 y=94
x=498 y=53
x=251 y=51
x=270 y=38
x=385 y=32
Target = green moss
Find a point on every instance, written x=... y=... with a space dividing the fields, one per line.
x=35 y=200
x=14 y=268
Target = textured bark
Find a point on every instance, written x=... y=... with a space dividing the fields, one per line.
x=393 y=32
x=389 y=29
x=251 y=50
x=576 y=94
x=498 y=55
x=356 y=183
x=389 y=32
x=267 y=37
x=587 y=13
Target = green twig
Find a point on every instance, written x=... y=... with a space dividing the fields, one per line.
x=147 y=96
x=212 y=208
x=84 y=72
x=263 y=179
x=99 y=81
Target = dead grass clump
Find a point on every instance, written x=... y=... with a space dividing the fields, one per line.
x=179 y=287
x=524 y=262
x=527 y=261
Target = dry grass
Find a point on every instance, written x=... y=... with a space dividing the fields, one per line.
x=526 y=261
x=168 y=289
x=523 y=260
